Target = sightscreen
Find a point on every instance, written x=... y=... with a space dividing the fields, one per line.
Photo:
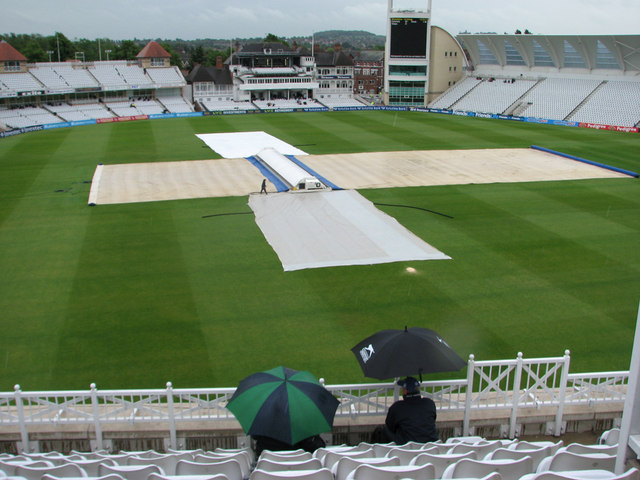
x=409 y=37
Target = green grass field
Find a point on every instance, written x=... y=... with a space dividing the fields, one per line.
x=133 y=296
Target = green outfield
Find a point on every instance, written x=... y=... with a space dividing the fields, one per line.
x=133 y=296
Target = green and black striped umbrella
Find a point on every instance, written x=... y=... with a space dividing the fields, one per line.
x=284 y=404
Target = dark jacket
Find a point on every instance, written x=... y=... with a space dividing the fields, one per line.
x=412 y=419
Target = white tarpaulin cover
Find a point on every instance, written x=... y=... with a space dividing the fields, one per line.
x=341 y=227
x=245 y=144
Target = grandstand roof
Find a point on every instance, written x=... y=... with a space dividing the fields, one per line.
x=8 y=53
x=153 y=50
x=588 y=52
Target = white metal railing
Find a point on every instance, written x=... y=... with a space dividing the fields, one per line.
x=501 y=384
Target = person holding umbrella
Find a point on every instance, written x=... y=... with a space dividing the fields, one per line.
x=412 y=419
x=283 y=409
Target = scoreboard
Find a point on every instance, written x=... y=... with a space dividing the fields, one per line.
x=409 y=37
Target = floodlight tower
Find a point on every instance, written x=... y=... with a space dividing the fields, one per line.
x=406 y=62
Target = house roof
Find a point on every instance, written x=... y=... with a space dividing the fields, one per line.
x=219 y=76
x=153 y=50
x=8 y=53
x=369 y=56
x=335 y=59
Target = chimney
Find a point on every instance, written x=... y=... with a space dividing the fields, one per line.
x=218 y=62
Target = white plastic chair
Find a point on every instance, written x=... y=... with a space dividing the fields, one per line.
x=345 y=466
x=552 y=447
x=566 y=461
x=130 y=472
x=193 y=452
x=508 y=469
x=9 y=467
x=465 y=439
x=405 y=455
x=36 y=473
x=537 y=455
x=440 y=461
x=91 y=466
x=381 y=449
x=291 y=456
x=375 y=472
x=631 y=474
x=331 y=458
x=585 y=448
x=90 y=477
x=268 y=465
x=167 y=462
x=155 y=476
x=247 y=450
x=322 y=451
x=118 y=458
x=243 y=457
x=321 y=474
x=609 y=437
x=481 y=448
x=229 y=467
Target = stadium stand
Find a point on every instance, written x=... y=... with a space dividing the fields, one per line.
x=175 y=104
x=62 y=77
x=332 y=102
x=214 y=104
x=455 y=93
x=108 y=76
x=613 y=103
x=19 y=83
x=166 y=76
x=556 y=98
x=493 y=95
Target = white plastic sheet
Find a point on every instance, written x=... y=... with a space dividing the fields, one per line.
x=326 y=229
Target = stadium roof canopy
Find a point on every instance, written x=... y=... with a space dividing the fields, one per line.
x=585 y=52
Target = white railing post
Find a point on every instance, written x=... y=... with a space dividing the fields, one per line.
x=515 y=399
x=24 y=435
x=562 y=393
x=96 y=416
x=468 y=396
x=172 y=421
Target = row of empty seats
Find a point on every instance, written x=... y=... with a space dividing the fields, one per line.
x=580 y=100
x=332 y=102
x=64 y=112
x=63 y=78
x=459 y=457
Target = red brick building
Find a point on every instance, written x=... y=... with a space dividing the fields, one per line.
x=368 y=72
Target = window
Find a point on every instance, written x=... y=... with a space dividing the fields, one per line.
x=541 y=57
x=512 y=55
x=12 y=66
x=571 y=57
x=604 y=57
x=486 y=55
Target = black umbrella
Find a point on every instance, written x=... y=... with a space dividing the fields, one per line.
x=400 y=353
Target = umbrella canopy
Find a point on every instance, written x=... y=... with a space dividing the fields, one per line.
x=400 y=353
x=284 y=404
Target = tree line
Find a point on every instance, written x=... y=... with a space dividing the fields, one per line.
x=57 y=47
x=184 y=53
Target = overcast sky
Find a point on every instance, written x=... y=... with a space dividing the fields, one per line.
x=190 y=19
